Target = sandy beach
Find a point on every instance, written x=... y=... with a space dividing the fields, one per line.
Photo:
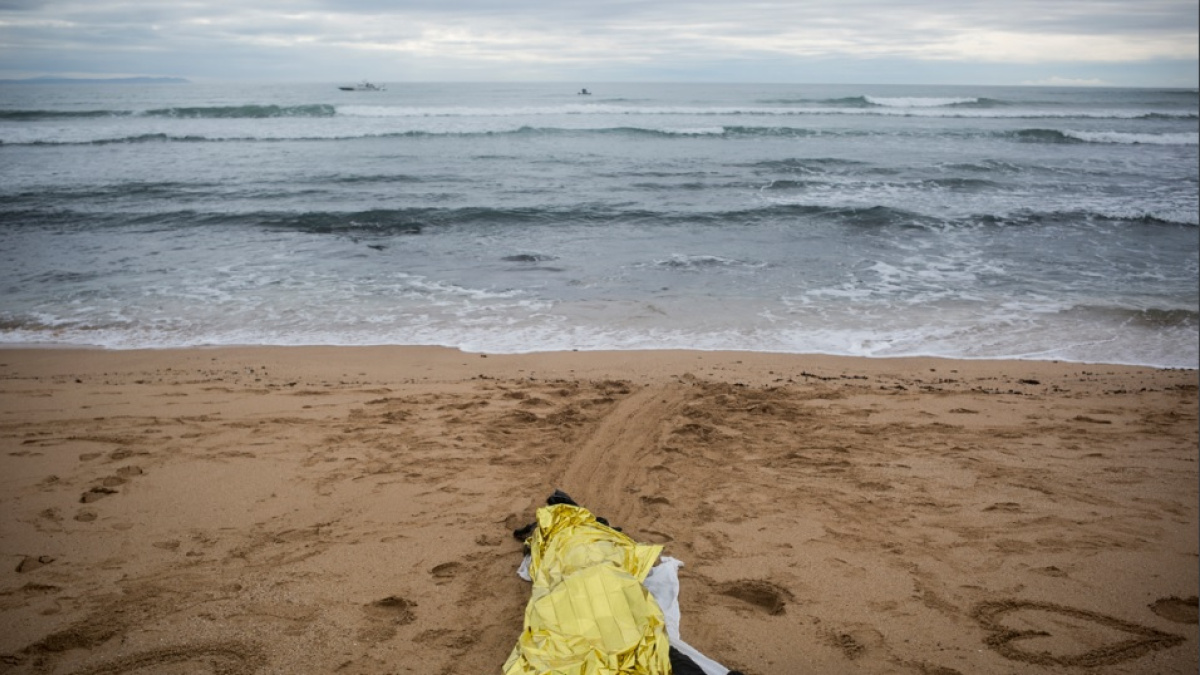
x=350 y=510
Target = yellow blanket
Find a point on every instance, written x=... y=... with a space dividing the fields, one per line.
x=588 y=613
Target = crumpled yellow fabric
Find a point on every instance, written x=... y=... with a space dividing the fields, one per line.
x=588 y=612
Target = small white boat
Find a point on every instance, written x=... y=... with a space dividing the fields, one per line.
x=363 y=86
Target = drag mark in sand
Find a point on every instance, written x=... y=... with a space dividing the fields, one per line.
x=610 y=465
x=1065 y=621
x=219 y=658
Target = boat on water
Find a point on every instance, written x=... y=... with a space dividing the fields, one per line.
x=363 y=86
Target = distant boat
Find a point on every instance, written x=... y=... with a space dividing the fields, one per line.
x=363 y=86
x=584 y=92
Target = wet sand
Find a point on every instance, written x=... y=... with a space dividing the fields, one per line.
x=349 y=510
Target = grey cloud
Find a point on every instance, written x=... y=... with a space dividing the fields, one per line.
x=447 y=36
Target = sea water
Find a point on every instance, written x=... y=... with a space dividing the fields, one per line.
x=972 y=222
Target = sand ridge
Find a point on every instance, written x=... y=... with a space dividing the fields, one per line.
x=321 y=510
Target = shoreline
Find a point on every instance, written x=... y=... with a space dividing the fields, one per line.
x=318 y=509
x=409 y=361
x=37 y=346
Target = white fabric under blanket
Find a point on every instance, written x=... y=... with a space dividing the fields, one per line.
x=663 y=584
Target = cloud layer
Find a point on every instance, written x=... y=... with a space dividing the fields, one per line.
x=1021 y=40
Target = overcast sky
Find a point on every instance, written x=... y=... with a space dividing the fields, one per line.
x=1086 y=42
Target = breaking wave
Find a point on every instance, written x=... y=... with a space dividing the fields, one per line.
x=1134 y=139
x=703 y=262
x=923 y=102
x=1073 y=136
x=246 y=111
x=429 y=220
x=200 y=112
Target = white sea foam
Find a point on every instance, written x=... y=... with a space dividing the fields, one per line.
x=1134 y=139
x=1002 y=333
x=914 y=106
x=690 y=131
x=701 y=262
x=380 y=121
x=917 y=102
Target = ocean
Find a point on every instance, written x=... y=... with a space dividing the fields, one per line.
x=970 y=222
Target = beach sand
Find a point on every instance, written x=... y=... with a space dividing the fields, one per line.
x=350 y=510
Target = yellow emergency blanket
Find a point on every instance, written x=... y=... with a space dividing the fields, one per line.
x=588 y=613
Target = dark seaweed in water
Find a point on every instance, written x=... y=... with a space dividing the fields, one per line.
x=1166 y=318
x=389 y=222
x=528 y=258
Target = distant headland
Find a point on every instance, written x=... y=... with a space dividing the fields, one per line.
x=97 y=80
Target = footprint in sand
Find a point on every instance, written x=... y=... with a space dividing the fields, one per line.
x=384 y=616
x=30 y=563
x=655 y=537
x=855 y=642
x=393 y=608
x=454 y=641
x=445 y=572
x=761 y=594
x=1179 y=610
x=851 y=648
x=95 y=494
x=1052 y=635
